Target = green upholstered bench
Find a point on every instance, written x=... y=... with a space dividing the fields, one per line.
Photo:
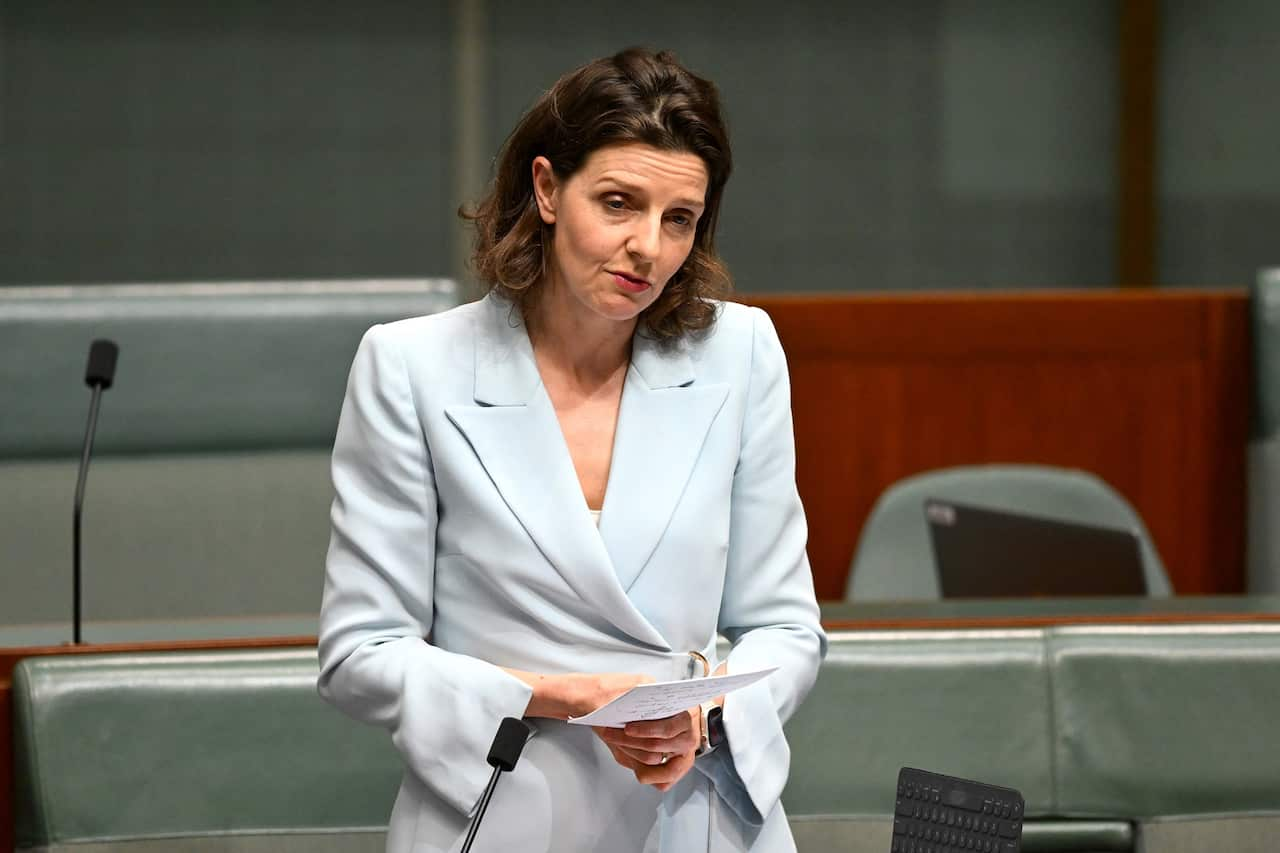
x=208 y=751
x=209 y=491
x=1155 y=739
x=971 y=703
x=1174 y=725
x=1158 y=739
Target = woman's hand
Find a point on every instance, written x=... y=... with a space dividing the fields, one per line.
x=574 y=694
x=659 y=752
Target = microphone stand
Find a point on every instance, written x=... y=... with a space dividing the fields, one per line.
x=75 y=533
x=508 y=743
x=98 y=375
x=484 y=804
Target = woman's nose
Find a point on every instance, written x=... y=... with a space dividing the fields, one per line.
x=646 y=238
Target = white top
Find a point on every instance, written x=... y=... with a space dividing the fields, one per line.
x=595 y=516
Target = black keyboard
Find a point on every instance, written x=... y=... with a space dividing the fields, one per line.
x=941 y=814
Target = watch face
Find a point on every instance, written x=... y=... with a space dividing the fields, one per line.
x=715 y=727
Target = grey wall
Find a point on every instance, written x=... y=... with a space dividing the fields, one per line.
x=1220 y=136
x=923 y=144
x=907 y=145
x=228 y=139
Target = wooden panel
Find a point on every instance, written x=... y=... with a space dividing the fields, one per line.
x=1147 y=389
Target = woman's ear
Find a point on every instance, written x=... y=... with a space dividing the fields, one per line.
x=545 y=189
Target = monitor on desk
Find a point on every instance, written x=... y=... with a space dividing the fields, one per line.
x=988 y=553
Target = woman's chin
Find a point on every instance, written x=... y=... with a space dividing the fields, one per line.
x=620 y=307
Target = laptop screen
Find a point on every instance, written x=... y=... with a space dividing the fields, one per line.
x=989 y=553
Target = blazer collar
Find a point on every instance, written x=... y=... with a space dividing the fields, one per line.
x=662 y=423
x=507 y=375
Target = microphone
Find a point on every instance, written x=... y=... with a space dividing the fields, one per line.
x=508 y=743
x=98 y=375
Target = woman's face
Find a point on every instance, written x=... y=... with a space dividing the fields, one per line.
x=622 y=226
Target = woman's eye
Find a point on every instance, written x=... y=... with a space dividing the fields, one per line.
x=680 y=220
x=615 y=203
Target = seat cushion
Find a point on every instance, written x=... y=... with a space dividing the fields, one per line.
x=873 y=834
x=1238 y=833
x=355 y=841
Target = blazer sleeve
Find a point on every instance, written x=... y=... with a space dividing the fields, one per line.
x=376 y=661
x=768 y=612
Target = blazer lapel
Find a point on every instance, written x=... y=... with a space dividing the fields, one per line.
x=662 y=426
x=515 y=435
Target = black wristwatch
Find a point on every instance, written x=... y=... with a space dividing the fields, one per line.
x=712 y=728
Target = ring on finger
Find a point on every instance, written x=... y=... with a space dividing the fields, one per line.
x=666 y=756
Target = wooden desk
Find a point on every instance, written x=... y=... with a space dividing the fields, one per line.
x=1039 y=613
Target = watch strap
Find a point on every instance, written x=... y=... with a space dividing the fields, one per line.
x=713 y=734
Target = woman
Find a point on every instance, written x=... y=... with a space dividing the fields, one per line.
x=569 y=487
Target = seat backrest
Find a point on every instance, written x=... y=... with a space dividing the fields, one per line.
x=885 y=699
x=209 y=492
x=1264 y=305
x=1100 y=727
x=1158 y=720
x=234 y=365
x=113 y=750
x=894 y=558
x=1264 y=448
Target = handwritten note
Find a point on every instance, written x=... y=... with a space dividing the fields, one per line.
x=655 y=701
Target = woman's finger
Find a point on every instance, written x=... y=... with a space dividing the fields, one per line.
x=666 y=728
x=660 y=768
x=644 y=756
x=685 y=742
x=667 y=774
x=633 y=759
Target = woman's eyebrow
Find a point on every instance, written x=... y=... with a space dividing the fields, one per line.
x=636 y=189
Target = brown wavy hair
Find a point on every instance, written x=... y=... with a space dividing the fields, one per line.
x=633 y=96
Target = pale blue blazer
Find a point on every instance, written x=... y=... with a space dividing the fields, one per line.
x=461 y=543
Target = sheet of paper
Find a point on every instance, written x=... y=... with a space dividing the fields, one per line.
x=655 y=701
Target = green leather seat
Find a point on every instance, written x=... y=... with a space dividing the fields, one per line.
x=899 y=696
x=1147 y=738
x=894 y=558
x=1264 y=447
x=975 y=704
x=193 y=752
x=209 y=491
x=1166 y=719
x=1174 y=725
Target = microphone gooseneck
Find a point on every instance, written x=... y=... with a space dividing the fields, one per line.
x=508 y=743
x=99 y=375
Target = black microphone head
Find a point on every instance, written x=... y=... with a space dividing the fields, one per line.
x=508 y=743
x=101 y=369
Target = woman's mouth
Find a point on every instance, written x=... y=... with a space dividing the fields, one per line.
x=629 y=284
